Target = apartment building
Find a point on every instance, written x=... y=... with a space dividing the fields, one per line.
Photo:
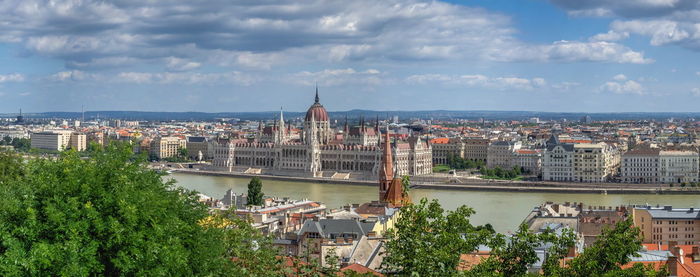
x=475 y=149
x=78 y=141
x=13 y=133
x=593 y=162
x=500 y=153
x=641 y=165
x=660 y=225
x=558 y=161
x=528 y=159
x=443 y=148
x=166 y=147
x=677 y=166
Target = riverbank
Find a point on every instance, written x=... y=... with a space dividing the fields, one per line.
x=275 y=177
x=481 y=185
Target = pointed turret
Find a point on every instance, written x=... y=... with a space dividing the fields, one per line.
x=316 y=99
x=346 y=130
x=379 y=132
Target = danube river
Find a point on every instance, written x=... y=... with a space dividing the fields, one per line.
x=504 y=210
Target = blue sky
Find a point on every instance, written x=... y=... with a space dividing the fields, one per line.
x=228 y=56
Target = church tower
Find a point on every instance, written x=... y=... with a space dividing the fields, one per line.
x=386 y=171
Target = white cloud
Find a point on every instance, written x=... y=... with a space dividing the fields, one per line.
x=73 y=75
x=482 y=81
x=14 y=77
x=183 y=35
x=620 y=77
x=610 y=36
x=565 y=86
x=695 y=92
x=339 y=77
x=186 y=78
x=628 y=87
x=178 y=64
x=572 y=51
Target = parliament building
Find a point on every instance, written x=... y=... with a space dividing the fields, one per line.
x=322 y=151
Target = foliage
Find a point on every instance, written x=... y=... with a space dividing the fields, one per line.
x=441 y=168
x=107 y=215
x=253 y=253
x=499 y=173
x=182 y=153
x=405 y=184
x=255 y=194
x=427 y=241
x=11 y=167
x=19 y=144
x=614 y=248
x=458 y=162
x=512 y=257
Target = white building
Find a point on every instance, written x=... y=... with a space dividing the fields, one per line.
x=678 y=166
x=641 y=165
x=51 y=140
x=500 y=153
x=558 y=161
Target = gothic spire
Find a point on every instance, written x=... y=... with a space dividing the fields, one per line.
x=346 y=129
x=316 y=99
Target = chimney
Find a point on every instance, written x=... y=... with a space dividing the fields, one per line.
x=371 y=234
x=672 y=245
x=673 y=266
x=696 y=253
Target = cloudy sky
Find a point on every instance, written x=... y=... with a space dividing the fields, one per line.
x=258 y=55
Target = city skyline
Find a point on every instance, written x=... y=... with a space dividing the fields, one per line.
x=550 y=56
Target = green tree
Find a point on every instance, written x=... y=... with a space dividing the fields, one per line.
x=513 y=256
x=107 y=215
x=255 y=194
x=253 y=253
x=11 y=167
x=427 y=241
x=182 y=153
x=405 y=184
x=613 y=249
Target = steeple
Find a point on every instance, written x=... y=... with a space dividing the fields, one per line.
x=386 y=172
x=362 y=124
x=379 y=132
x=346 y=131
x=281 y=115
x=316 y=99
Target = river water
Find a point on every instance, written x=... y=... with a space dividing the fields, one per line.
x=504 y=210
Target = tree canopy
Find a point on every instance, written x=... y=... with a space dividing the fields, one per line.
x=107 y=215
x=255 y=194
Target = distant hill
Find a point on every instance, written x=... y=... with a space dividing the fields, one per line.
x=354 y=114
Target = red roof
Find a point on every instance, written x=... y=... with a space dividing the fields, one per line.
x=359 y=269
x=440 y=140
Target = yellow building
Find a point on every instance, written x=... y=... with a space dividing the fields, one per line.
x=166 y=147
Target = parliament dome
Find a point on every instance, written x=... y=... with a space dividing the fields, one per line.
x=317 y=111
